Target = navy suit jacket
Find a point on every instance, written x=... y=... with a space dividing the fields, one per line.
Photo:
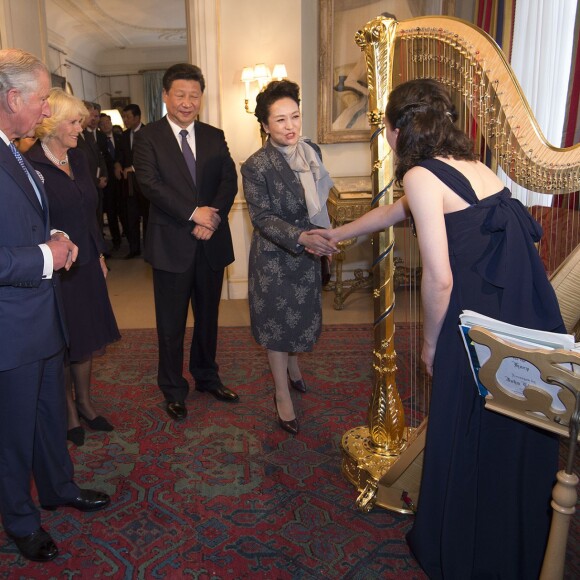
x=31 y=319
x=165 y=180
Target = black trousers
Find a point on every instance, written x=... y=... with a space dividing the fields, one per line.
x=137 y=212
x=199 y=286
x=111 y=206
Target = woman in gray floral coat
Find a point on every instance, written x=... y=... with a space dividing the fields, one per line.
x=286 y=187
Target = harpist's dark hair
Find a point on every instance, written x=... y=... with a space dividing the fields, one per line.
x=272 y=92
x=423 y=112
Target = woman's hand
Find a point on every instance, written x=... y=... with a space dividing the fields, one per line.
x=317 y=244
x=428 y=356
x=328 y=234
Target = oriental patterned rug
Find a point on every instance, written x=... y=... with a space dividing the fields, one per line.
x=227 y=494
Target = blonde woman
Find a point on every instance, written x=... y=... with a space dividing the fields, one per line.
x=73 y=198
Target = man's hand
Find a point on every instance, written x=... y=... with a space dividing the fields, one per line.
x=64 y=252
x=206 y=216
x=201 y=233
x=102 y=182
x=118 y=171
x=126 y=171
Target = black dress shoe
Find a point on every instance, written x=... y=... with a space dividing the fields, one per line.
x=37 y=546
x=76 y=435
x=290 y=426
x=99 y=423
x=220 y=392
x=177 y=411
x=89 y=500
x=298 y=384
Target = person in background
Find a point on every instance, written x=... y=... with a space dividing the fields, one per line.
x=286 y=187
x=88 y=143
x=109 y=143
x=135 y=204
x=33 y=337
x=73 y=200
x=487 y=479
x=185 y=169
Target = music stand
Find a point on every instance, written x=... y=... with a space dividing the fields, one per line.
x=537 y=406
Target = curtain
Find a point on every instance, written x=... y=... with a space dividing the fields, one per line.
x=572 y=129
x=496 y=17
x=541 y=58
x=153 y=87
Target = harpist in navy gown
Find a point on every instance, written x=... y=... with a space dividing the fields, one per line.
x=487 y=479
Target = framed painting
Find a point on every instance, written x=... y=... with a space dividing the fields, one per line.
x=120 y=102
x=342 y=89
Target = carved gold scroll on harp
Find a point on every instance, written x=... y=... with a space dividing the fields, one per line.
x=383 y=459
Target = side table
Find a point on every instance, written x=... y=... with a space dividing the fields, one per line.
x=349 y=198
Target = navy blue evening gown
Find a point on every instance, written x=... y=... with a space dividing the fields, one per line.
x=484 y=507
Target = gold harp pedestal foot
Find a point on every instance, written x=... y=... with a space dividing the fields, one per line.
x=365 y=467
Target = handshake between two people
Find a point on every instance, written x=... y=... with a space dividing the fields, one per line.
x=325 y=242
x=319 y=242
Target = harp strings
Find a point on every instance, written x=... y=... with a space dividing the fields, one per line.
x=492 y=117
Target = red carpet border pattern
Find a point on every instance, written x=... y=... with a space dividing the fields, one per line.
x=227 y=494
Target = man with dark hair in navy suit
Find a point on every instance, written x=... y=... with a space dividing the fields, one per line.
x=32 y=331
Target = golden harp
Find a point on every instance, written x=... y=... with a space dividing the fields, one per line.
x=383 y=459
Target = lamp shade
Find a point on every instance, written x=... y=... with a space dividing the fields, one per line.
x=262 y=74
x=279 y=72
x=247 y=74
x=115 y=115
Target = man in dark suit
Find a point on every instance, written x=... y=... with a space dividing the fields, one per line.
x=185 y=169
x=109 y=143
x=88 y=143
x=137 y=203
x=32 y=340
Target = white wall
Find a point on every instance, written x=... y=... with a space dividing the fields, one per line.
x=275 y=31
x=23 y=25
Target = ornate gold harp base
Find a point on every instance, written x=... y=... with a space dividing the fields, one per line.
x=387 y=480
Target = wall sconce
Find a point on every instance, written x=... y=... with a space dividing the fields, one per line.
x=260 y=74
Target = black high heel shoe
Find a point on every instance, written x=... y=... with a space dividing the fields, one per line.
x=290 y=426
x=76 y=435
x=298 y=384
x=99 y=423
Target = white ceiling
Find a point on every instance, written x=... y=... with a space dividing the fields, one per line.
x=103 y=32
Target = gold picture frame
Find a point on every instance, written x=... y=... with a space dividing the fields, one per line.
x=342 y=92
x=120 y=102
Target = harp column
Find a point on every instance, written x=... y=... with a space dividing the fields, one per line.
x=369 y=451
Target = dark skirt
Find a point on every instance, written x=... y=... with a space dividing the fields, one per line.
x=89 y=316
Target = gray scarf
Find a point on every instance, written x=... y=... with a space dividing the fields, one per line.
x=315 y=180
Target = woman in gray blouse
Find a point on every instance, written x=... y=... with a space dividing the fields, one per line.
x=286 y=187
